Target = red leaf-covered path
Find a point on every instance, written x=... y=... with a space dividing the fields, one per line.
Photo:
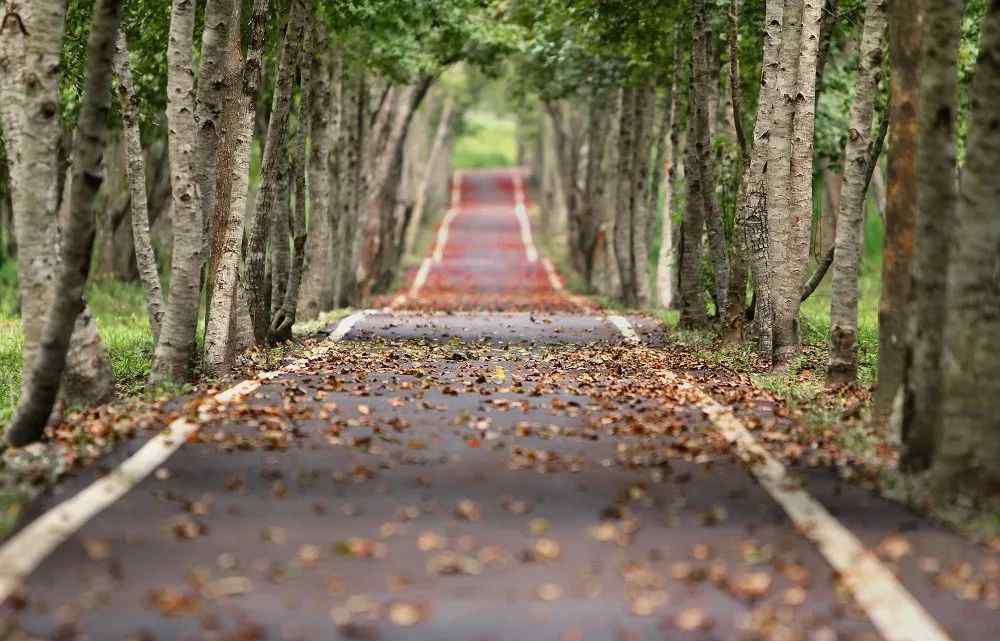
x=487 y=460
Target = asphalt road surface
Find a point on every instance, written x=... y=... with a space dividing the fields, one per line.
x=487 y=461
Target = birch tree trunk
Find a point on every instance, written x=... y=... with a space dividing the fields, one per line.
x=243 y=80
x=209 y=103
x=175 y=348
x=967 y=460
x=937 y=201
x=843 y=366
x=46 y=373
x=787 y=339
x=145 y=257
x=30 y=49
x=790 y=191
x=754 y=213
x=277 y=130
x=906 y=22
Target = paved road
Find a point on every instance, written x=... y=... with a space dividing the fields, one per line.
x=482 y=476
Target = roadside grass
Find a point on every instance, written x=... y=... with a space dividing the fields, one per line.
x=487 y=141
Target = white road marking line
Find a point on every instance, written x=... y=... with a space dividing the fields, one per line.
x=442 y=236
x=437 y=254
x=522 y=218
x=626 y=329
x=896 y=614
x=22 y=554
x=421 y=278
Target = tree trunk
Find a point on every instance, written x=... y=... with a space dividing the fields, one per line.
x=666 y=261
x=209 y=104
x=324 y=129
x=967 y=460
x=791 y=160
x=283 y=319
x=623 y=200
x=243 y=79
x=693 y=313
x=356 y=192
x=46 y=373
x=277 y=130
x=423 y=187
x=175 y=349
x=843 y=366
x=641 y=186
x=906 y=24
x=937 y=201
x=128 y=101
x=753 y=214
x=280 y=229
x=702 y=142
x=29 y=107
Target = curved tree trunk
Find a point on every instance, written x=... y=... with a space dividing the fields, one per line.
x=29 y=102
x=843 y=366
x=175 y=349
x=45 y=375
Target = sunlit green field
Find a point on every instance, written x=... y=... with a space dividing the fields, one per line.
x=487 y=141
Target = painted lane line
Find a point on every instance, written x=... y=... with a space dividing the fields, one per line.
x=895 y=613
x=442 y=236
x=23 y=553
x=421 y=278
x=625 y=328
x=522 y=218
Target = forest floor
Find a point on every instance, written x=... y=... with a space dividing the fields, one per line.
x=488 y=457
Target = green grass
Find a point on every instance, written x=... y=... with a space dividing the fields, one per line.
x=120 y=311
x=487 y=141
